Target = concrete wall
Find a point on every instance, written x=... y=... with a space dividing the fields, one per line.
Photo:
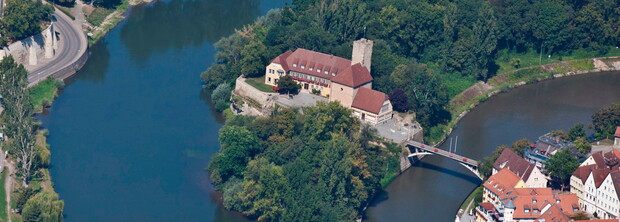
x=245 y=90
x=26 y=49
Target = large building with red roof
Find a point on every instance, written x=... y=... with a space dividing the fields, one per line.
x=346 y=81
x=597 y=184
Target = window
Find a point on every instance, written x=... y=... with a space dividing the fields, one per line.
x=341 y=89
x=326 y=72
x=318 y=70
x=303 y=66
x=527 y=211
x=268 y=79
x=310 y=68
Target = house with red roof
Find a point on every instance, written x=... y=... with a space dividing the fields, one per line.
x=617 y=137
x=597 y=184
x=346 y=81
x=528 y=172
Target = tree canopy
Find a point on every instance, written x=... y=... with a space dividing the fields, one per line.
x=606 y=120
x=561 y=166
x=431 y=50
x=315 y=166
x=22 y=19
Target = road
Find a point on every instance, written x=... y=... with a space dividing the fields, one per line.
x=74 y=44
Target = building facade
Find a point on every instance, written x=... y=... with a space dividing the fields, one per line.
x=596 y=183
x=346 y=81
x=617 y=137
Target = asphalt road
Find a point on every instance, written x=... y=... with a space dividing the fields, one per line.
x=73 y=46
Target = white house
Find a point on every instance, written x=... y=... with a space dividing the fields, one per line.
x=597 y=183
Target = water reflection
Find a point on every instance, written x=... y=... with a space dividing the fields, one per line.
x=181 y=23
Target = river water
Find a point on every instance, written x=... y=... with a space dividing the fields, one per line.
x=434 y=189
x=132 y=133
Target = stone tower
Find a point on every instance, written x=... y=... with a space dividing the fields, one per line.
x=362 y=52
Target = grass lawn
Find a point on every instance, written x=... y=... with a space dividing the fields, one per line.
x=3 y=213
x=97 y=15
x=533 y=58
x=43 y=94
x=66 y=10
x=472 y=195
x=259 y=84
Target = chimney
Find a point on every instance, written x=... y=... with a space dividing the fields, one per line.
x=362 y=52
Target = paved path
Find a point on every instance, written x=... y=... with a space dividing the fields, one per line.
x=74 y=45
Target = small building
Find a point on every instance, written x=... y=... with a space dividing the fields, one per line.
x=617 y=137
x=548 y=145
x=486 y=212
x=528 y=172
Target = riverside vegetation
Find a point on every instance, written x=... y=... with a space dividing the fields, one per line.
x=26 y=144
x=22 y=19
x=425 y=53
x=320 y=164
x=450 y=44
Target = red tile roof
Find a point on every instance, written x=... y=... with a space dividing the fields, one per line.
x=617 y=134
x=600 y=220
x=553 y=214
x=521 y=167
x=584 y=172
x=315 y=60
x=354 y=76
x=369 y=100
x=487 y=206
x=568 y=202
x=502 y=184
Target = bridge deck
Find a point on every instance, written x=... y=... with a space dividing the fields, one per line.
x=444 y=153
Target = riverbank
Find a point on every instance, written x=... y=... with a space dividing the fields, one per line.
x=107 y=20
x=466 y=101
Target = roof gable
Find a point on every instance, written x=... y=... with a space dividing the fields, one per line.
x=617 y=134
x=353 y=76
x=510 y=160
x=369 y=100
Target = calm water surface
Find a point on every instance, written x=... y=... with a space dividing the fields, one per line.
x=131 y=136
x=433 y=189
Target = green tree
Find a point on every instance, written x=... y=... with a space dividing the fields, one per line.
x=220 y=96
x=253 y=59
x=520 y=146
x=23 y=18
x=577 y=131
x=238 y=145
x=288 y=86
x=561 y=166
x=549 y=24
x=606 y=120
x=427 y=94
x=18 y=117
x=45 y=206
x=583 y=145
x=561 y=134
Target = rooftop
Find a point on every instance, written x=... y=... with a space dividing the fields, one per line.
x=313 y=63
x=510 y=160
x=354 y=76
x=369 y=100
x=617 y=134
x=502 y=184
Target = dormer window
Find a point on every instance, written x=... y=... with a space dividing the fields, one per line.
x=333 y=74
x=326 y=72
x=535 y=211
x=311 y=68
x=533 y=201
x=527 y=211
x=303 y=66
x=294 y=64
x=318 y=70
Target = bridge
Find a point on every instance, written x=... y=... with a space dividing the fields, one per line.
x=419 y=150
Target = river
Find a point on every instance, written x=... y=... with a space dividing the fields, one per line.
x=131 y=134
x=434 y=189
